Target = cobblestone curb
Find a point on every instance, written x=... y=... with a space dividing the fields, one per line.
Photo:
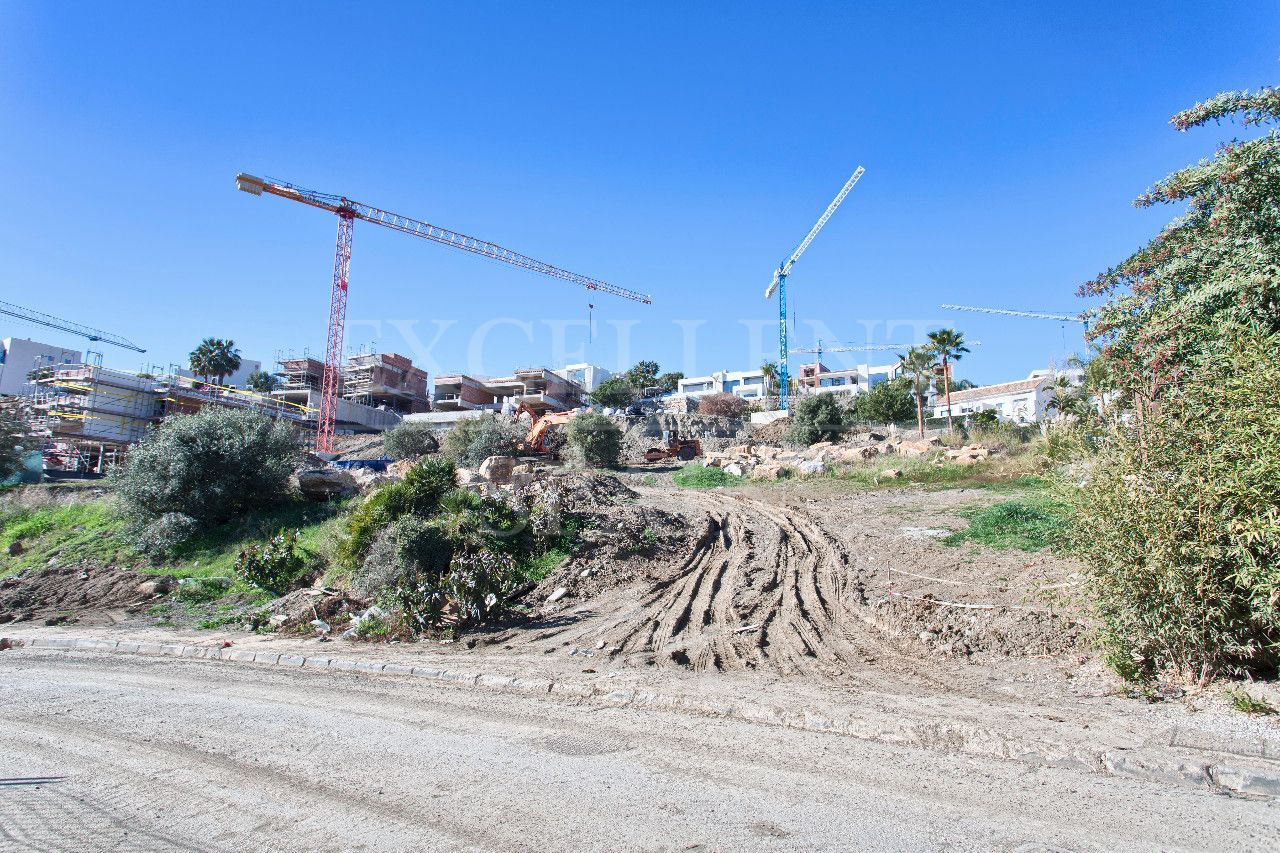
x=1180 y=767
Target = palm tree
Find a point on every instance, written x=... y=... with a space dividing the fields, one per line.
x=215 y=357
x=770 y=371
x=947 y=345
x=919 y=362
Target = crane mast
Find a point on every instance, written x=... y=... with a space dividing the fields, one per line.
x=347 y=212
x=779 y=283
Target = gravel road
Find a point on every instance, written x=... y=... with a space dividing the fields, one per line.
x=163 y=754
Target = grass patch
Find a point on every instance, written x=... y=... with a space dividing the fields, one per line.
x=698 y=477
x=1026 y=524
x=84 y=531
x=539 y=567
x=1249 y=704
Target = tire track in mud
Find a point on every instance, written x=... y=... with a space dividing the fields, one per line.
x=764 y=587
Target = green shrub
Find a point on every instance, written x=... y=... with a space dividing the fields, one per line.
x=985 y=419
x=275 y=566
x=595 y=440
x=419 y=493
x=818 y=417
x=163 y=536
x=473 y=440
x=13 y=443
x=615 y=392
x=886 y=403
x=210 y=466
x=698 y=477
x=1180 y=526
x=410 y=439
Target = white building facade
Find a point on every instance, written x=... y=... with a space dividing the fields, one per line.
x=747 y=384
x=1025 y=401
x=589 y=376
x=21 y=356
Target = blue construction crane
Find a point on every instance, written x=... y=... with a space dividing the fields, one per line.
x=779 y=283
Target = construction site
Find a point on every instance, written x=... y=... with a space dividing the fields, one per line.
x=841 y=599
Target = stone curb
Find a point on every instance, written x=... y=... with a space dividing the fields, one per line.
x=1184 y=768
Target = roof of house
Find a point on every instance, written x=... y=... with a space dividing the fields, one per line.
x=996 y=390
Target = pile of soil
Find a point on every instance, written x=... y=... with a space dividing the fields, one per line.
x=772 y=433
x=76 y=593
x=998 y=632
x=296 y=610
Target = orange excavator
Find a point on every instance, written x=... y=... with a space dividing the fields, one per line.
x=536 y=440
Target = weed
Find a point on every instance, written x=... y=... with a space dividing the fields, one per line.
x=1028 y=524
x=698 y=477
x=1249 y=704
x=217 y=621
x=649 y=480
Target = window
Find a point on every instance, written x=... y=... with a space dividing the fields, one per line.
x=832 y=383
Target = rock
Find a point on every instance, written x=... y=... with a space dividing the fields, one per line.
x=812 y=467
x=927 y=636
x=367 y=479
x=498 y=469
x=914 y=449
x=876 y=436
x=467 y=477
x=560 y=593
x=767 y=472
x=277 y=620
x=397 y=470
x=15 y=548
x=159 y=586
x=819 y=445
x=890 y=474
x=734 y=468
x=322 y=484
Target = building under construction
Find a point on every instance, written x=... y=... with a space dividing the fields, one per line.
x=87 y=415
x=537 y=388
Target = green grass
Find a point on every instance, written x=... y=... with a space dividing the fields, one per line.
x=539 y=567
x=1026 y=524
x=1249 y=704
x=698 y=477
x=88 y=531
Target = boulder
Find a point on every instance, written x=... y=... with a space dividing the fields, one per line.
x=15 y=548
x=890 y=474
x=812 y=466
x=467 y=477
x=323 y=484
x=914 y=449
x=367 y=479
x=819 y=445
x=397 y=470
x=734 y=468
x=498 y=469
x=767 y=472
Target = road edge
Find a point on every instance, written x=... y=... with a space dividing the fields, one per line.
x=1181 y=767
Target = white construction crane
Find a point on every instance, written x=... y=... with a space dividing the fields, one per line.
x=1035 y=315
x=779 y=282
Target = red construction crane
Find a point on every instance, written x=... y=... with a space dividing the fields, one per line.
x=348 y=211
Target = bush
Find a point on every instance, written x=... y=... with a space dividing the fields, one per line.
x=595 y=440
x=410 y=439
x=1178 y=523
x=274 y=566
x=819 y=417
x=887 y=403
x=419 y=493
x=163 y=536
x=615 y=392
x=12 y=443
x=210 y=466
x=473 y=440
x=722 y=405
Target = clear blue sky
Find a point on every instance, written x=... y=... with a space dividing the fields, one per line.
x=679 y=149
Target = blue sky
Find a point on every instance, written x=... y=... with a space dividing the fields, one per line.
x=677 y=149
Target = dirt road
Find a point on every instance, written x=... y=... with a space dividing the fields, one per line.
x=156 y=754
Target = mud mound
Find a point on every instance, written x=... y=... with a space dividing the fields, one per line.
x=1000 y=631
x=582 y=491
x=60 y=593
x=772 y=433
x=296 y=610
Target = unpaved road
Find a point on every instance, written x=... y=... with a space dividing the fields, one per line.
x=162 y=754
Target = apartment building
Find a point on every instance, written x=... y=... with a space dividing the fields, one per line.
x=536 y=388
